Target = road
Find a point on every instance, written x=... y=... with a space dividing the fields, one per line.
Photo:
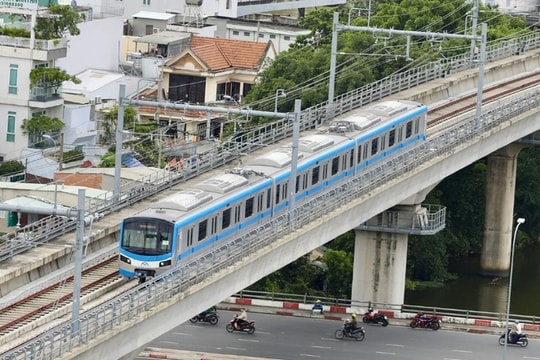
x=294 y=338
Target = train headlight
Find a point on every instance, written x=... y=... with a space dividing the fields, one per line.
x=165 y=263
x=125 y=259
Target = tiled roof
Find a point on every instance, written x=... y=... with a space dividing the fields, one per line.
x=219 y=53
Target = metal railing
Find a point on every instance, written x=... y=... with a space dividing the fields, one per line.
x=402 y=308
x=129 y=305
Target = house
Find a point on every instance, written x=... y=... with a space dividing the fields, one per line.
x=208 y=70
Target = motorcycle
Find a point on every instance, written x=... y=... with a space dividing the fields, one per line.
x=247 y=326
x=426 y=321
x=514 y=339
x=210 y=317
x=375 y=318
x=358 y=334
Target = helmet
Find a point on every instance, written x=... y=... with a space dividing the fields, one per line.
x=517 y=321
x=353 y=315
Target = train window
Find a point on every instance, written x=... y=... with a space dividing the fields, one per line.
x=335 y=165
x=285 y=191
x=383 y=142
x=203 y=226
x=278 y=192
x=269 y=199
x=374 y=146
x=351 y=159
x=416 y=125
x=189 y=237
x=237 y=214
x=324 y=171
x=304 y=181
x=214 y=224
x=297 y=185
x=400 y=135
x=315 y=175
x=226 y=218
x=248 y=211
x=359 y=160
x=391 y=137
x=260 y=202
x=365 y=156
x=408 y=130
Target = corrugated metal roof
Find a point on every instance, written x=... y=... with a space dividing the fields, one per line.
x=164 y=38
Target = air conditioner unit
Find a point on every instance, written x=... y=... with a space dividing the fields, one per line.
x=156 y=30
x=97 y=100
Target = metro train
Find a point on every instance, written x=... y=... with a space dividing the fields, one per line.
x=215 y=209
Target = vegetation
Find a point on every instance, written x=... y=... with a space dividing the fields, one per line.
x=46 y=77
x=39 y=125
x=11 y=167
x=309 y=58
x=72 y=155
x=63 y=20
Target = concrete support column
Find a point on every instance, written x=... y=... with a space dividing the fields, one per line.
x=380 y=261
x=499 y=219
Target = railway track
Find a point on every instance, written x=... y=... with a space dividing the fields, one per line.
x=53 y=303
x=440 y=113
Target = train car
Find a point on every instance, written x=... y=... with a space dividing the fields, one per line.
x=217 y=209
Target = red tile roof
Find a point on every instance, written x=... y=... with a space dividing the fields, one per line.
x=220 y=54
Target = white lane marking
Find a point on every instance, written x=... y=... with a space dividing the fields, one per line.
x=330 y=339
x=182 y=334
x=451 y=359
x=397 y=345
x=235 y=348
x=310 y=355
x=168 y=342
x=462 y=351
x=531 y=357
x=248 y=340
x=321 y=347
x=384 y=353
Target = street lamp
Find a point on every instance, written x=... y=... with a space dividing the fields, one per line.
x=279 y=93
x=519 y=222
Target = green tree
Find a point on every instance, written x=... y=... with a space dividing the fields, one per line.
x=61 y=20
x=39 y=125
x=110 y=121
x=46 y=77
x=339 y=274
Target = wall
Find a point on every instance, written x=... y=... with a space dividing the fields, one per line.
x=97 y=46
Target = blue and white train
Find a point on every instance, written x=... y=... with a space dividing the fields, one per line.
x=213 y=210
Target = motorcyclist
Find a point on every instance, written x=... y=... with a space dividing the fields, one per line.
x=318 y=306
x=516 y=334
x=351 y=325
x=241 y=319
x=208 y=311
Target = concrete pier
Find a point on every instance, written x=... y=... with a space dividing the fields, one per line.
x=499 y=211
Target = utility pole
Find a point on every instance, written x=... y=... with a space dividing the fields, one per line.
x=474 y=37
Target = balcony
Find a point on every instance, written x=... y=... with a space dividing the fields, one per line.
x=45 y=97
x=44 y=50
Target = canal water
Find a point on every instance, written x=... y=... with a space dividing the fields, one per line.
x=474 y=292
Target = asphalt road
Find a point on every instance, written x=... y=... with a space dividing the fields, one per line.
x=293 y=338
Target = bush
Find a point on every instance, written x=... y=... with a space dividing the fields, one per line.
x=72 y=155
x=11 y=167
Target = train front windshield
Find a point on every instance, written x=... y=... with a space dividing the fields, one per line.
x=147 y=236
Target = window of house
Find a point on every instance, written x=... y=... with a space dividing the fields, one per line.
x=13 y=75
x=272 y=36
x=247 y=33
x=287 y=38
x=236 y=32
x=261 y=36
x=11 y=127
x=146 y=2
